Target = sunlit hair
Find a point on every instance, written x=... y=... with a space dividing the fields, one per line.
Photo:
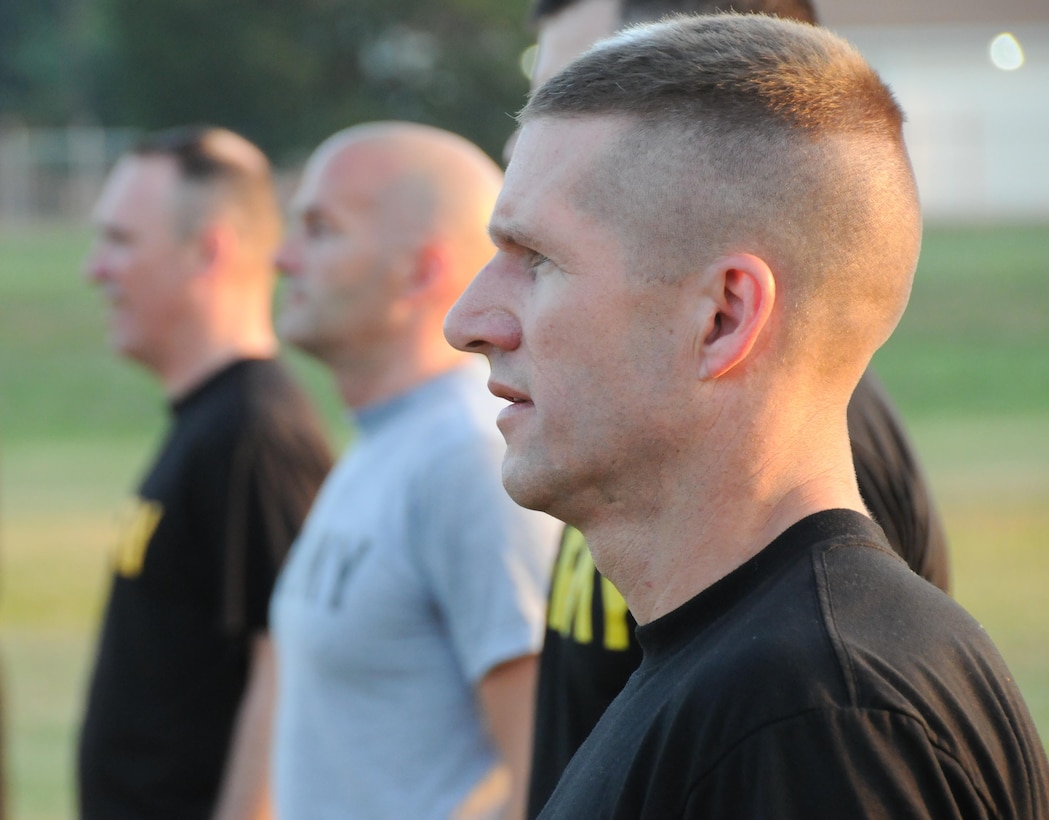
x=748 y=133
x=740 y=70
x=644 y=11
x=218 y=170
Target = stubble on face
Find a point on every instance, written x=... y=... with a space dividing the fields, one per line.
x=136 y=256
x=598 y=356
x=337 y=298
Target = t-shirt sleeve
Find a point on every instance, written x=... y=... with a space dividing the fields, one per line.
x=274 y=478
x=486 y=560
x=893 y=485
x=834 y=764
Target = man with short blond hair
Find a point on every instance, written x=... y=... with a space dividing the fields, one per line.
x=590 y=650
x=679 y=348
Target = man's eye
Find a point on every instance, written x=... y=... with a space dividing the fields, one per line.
x=315 y=226
x=537 y=261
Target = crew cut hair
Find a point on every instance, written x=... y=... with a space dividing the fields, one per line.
x=749 y=133
x=644 y=11
x=747 y=70
x=218 y=169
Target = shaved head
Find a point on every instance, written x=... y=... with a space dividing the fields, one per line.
x=392 y=224
x=425 y=184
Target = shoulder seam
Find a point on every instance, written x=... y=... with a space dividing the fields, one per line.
x=892 y=713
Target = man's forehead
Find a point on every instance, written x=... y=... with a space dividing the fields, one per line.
x=561 y=142
x=541 y=166
x=552 y=162
x=139 y=187
x=340 y=174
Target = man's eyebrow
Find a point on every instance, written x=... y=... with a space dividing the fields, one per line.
x=308 y=214
x=113 y=231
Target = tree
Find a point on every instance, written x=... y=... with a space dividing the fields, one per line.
x=287 y=73
x=45 y=46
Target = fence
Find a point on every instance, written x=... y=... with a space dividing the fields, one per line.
x=54 y=174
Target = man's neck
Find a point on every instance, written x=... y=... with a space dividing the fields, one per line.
x=364 y=384
x=696 y=532
x=179 y=378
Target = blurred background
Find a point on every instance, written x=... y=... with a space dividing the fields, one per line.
x=80 y=79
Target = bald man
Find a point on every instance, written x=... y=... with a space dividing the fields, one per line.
x=410 y=612
x=180 y=695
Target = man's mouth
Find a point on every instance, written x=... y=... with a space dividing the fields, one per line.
x=508 y=393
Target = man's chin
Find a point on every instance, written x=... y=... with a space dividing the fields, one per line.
x=123 y=343
x=525 y=486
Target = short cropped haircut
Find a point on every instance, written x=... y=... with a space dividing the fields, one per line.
x=747 y=133
x=218 y=170
x=644 y=11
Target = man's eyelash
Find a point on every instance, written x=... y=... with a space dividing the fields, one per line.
x=537 y=260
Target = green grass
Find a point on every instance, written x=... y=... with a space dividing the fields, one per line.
x=59 y=501
x=969 y=367
x=58 y=379
x=975 y=336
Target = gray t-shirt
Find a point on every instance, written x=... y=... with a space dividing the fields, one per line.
x=414 y=575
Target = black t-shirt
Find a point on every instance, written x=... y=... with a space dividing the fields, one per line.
x=821 y=679
x=581 y=670
x=199 y=551
x=892 y=484
x=589 y=652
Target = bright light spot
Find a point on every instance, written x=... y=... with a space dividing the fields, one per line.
x=1006 y=53
x=527 y=61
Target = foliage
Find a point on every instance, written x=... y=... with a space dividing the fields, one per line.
x=975 y=336
x=285 y=73
x=45 y=46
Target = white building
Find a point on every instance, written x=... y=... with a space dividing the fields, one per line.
x=978 y=131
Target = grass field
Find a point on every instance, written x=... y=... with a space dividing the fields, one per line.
x=969 y=368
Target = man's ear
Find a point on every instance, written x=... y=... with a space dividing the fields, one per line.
x=428 y=270
x=742 y=291
x=215 y=244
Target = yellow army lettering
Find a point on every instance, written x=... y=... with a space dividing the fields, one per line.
x=572 y=593
x=137 y=523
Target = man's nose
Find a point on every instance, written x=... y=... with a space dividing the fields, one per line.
x=482 y=318
x=288 y=258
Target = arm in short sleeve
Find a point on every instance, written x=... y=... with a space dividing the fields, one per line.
x=274 y=478
x=245 y=793
x=486 y=560
x=507 y=696
x=893 y=485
